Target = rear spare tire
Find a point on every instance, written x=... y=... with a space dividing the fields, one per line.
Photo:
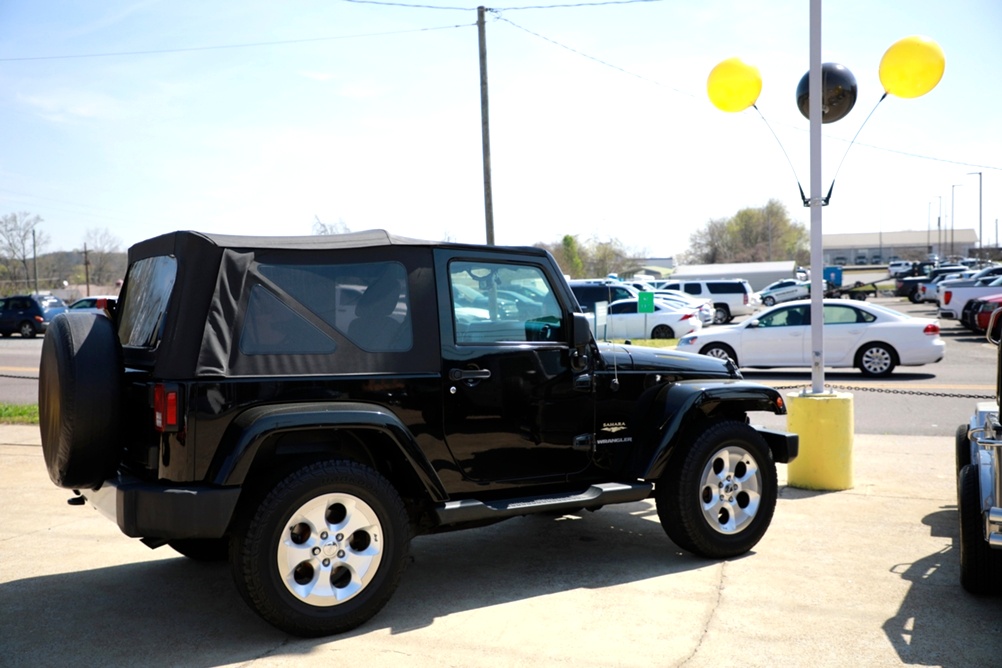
x=79 y=399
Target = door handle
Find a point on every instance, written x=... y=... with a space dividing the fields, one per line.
x=469 y=374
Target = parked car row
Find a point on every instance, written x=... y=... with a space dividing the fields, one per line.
x=30 y=315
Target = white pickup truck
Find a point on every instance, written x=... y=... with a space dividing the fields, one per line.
x=952 y=299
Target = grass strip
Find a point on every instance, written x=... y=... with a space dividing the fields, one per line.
x=18 y=413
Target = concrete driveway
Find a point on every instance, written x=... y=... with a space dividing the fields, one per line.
x=864 y=577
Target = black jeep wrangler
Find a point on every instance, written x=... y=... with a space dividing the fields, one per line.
x=303 y=406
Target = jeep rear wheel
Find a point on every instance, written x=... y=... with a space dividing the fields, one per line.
x=27 y=330
x=717 y=497
x=324 y=550
x=980 y=564
x=79 y=399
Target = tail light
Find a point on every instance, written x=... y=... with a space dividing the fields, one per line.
x=932 y=329
x=687 y=316
x=946 y=297
x=746 y=299
x=165 y=407
x=39 y=318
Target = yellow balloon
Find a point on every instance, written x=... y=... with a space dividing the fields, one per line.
x=733 y=85
x=912 y=66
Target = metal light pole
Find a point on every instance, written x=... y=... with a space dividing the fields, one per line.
x=981 y=243
x=928 y=228
x=952 y=221
x=816 y=202
x=939 y=227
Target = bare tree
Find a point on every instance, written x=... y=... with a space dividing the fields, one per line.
x=321 y=228
x=103 y=251
x=20 y=241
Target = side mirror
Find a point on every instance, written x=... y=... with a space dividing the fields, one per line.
x=580 y=331
x=753 y=323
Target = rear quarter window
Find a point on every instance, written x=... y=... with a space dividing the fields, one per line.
x=143 y=310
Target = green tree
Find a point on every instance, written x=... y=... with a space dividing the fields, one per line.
x=570 y=256
x=751 y=235
x=592 y=259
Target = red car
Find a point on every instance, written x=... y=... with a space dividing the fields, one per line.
x=981 y=310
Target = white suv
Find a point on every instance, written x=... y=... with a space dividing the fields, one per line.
x=730 y=296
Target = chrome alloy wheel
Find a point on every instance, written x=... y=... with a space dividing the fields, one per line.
x=330 y=549
x=731 y=490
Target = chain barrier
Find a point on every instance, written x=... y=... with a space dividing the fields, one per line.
x=886 y=390
x=7 y=375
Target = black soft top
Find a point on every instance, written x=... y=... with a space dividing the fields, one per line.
x=215 y=273
x=188 y=241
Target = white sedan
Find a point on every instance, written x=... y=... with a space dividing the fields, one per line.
x=624 y=321
x=856 y=334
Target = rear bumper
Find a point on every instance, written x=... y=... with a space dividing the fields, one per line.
x=156 y=510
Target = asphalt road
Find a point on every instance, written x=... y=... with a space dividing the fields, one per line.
x=19 y=369
x=929 y=400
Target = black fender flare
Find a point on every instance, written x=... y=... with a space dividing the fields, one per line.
x=678 y=406
x=253 y=427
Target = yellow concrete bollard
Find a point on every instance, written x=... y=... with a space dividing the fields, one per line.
x=824 y=423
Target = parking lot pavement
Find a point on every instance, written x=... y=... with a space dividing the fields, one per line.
x=863 y=577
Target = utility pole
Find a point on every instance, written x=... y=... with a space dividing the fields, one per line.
x=34 y=258
x=953 y=223
x=981 y=244
x=87 y=270
x=485 y=125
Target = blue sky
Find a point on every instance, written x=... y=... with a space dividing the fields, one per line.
x=260 y=117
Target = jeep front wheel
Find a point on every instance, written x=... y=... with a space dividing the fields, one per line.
x=717 y=497
x=980 y=564
x=324 y=550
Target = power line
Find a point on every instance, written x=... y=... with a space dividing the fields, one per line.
x=500 y=9
x=246 y=45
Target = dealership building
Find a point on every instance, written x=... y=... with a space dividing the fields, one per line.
x=882 y=247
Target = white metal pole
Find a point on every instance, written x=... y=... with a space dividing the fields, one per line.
x=817 y=256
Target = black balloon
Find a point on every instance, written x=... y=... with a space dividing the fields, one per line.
x=838 y=87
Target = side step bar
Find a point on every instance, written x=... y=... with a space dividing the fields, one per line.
x=472 y=510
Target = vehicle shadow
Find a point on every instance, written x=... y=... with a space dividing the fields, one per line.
x=927 y=629
x=149 y=603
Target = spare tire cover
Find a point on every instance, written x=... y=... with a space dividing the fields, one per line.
x=79 y=399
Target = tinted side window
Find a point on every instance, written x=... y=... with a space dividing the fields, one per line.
x=693 y=288
x=623 y=307
x=588 y=295
x=620 y=293
x=788 y=317
x=148 y=288
x=494 y=302
x=271 y=327
x=722 y=288
x=367 y=302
